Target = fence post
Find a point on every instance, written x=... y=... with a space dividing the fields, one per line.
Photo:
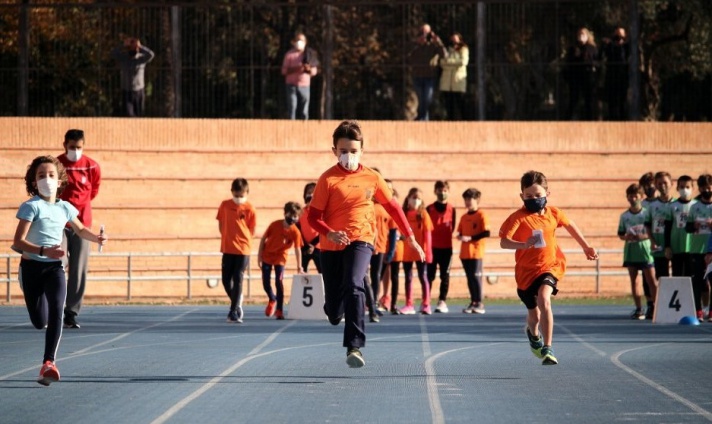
x=128 y=286
x=190 y=272
x=8 y=279
x=598 y=275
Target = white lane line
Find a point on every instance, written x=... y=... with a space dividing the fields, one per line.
x=582 y=341
x=215 y=380
x=83 y=351
x=667 y=392
x=15 y=325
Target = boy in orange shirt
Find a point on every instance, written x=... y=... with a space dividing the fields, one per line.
x=540 y=263
x=236 y=222
x=310 y=250
x=471 y=231
x=343 y=214
x=274 y=247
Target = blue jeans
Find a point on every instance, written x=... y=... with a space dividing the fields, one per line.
x=298 y=102
x=424 y=88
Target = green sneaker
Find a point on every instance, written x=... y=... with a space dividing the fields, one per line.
x=354 y=358
x=535 y=343
x=548 y=354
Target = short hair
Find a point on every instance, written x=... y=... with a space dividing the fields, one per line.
x=73 y=135
x=440 y=184
x=31 y=174
x=292 y=207
x=240 y=184
x=307 y=187
x=349 y=129
x=634 y=189
x=662 y=174
x=533 y=177
x=471 y=193
x=376 y=169
x=704 y=180
x=682 y=179
x=647 y=179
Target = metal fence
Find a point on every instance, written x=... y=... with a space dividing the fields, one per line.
x=223 y=59
x=129 y=273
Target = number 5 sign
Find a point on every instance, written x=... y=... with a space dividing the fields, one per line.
x=307 y=299
x=674 y=300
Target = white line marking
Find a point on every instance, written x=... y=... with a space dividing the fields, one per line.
x=215 y=380
x=616 y=361
x=582 y=341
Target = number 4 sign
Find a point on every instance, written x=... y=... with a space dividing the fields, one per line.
x=307 y=299
x=674 y=300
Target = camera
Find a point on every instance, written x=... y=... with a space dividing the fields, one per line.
x=429 y=37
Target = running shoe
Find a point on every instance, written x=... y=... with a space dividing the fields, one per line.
x=649 y=312
x=425 y=310
x=279 y=314
x=637 y=314
x=271 y=306
x=407 y=310
x=70 y=322
x=231 y=317
x=709 y=317
x=382 y=302
x=470 y=309
x=479 y=308
x=441 y=308
x=48 y=374
x=535 y=343
x=374 y=318
x=700 y=315
x=240 y=313
x=354 y=358
x=395 y=311
x=548 y=356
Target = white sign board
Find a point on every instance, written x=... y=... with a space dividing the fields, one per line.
x=307 y=299
x=674 y=300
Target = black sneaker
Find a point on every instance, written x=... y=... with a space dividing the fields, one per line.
x=70 y=322
x=649 y=312
x=547 y=354
x=232 y=317
x=374 y=318
x=354 y=358
x=535 y=343
x=637 y=314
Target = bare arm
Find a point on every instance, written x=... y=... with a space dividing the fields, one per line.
x=259 y=251
x=590 y=252
x=298 y=255
x=86 y=233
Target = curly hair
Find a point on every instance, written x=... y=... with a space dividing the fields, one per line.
x=31 y=174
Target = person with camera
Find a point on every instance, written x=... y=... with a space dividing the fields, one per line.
x=424 y=59
x=132 y=58
x=299 y=66
x=616 y=52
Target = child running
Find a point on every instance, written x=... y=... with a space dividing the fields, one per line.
x=310 y=250
x=236 y=222
x=540 y=263
x=342 y=212
x=472 y=231
x=274 y=248
x=38 y=235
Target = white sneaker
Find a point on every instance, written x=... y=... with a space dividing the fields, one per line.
x=442 y=307
x=479 y=308
x=470 y=309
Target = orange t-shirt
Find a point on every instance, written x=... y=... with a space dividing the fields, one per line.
x=384 y=223
x=533 y=262
x=308 y=233
x=345 y=198
x=472 y=224
x=420 y=229
x=237 y=226
x=278 y=241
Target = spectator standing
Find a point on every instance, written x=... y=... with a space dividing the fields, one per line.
x=616 y=52
x=423 y=59
x=581 y=73
x=299 y=66
x=132 y=60
x=453 y=80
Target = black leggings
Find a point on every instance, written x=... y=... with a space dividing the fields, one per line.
x=233 y=270
x=375 y=272
x=45 y=288
x=278 y=282
x=473 y=272
x=314 y=256
x=699 y=285
x=441 y=258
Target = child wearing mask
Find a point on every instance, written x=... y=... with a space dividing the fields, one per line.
x=236 y=222
x=658 y=211
x=471 y=231
x=443 y=216
x=540 y=263
x=279 y=237
x=677 y=239
x=637 y=255
x=647 y=185
x=699 y=225
x=310 y=250
x=422 y=226
x=38 y=235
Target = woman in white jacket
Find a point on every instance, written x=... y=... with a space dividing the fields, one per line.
x=453 y=81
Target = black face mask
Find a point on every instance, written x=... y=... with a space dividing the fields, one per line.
x=535 y=205
x=291 y=220
x=707 y=195
x=308 y=198
x=650 y=191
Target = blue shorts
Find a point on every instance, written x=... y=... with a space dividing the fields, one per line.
x=640 y=266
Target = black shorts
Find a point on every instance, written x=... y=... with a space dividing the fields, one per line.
x=529 y=295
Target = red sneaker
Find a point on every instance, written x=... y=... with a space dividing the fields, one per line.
x=48 y=374
x=700 y=315
x=279 y=315
x=271 y=306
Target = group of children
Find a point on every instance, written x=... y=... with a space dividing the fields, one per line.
x=668 y=236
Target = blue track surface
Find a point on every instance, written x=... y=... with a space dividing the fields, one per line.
x=135 y=364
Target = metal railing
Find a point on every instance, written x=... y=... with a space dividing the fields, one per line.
x=190 y=276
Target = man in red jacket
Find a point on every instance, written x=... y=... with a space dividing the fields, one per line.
x=83 y=180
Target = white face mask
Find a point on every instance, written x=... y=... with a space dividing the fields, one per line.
x=300 y=44
x=349 y=161
x=74 y=155
x=239 y=200
x=583 y=39
x=47 y=187
x=685 y=192
x=414 y=203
